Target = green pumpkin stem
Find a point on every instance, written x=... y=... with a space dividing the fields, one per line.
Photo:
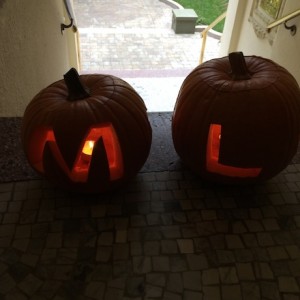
x=75 y=87
x=239 y=70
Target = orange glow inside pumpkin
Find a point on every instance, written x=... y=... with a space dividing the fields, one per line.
x=88 y=147
x=212 y=157
x=81 y=166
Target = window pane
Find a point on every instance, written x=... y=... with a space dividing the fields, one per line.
x=271 y=7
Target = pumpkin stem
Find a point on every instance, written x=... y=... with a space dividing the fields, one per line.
x=75 y=87
x=239 y=70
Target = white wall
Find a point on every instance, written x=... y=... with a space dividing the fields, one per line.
x=239 y=35
x=33 y=52
x=286 y=49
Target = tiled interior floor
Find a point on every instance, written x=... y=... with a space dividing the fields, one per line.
x=166 y=235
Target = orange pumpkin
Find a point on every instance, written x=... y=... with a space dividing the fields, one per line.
x=237 y=119
x=88 y=133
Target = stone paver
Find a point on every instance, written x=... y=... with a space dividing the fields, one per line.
x=135 y=36
x=134 y=40
x=112 y=251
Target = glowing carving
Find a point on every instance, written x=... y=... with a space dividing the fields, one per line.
x=80 y=170
x=212 y=157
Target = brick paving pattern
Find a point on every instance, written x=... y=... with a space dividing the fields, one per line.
x=135 y=35
x=166 y=235
x=134 y=40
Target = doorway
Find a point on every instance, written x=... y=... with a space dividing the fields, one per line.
x=134 y=41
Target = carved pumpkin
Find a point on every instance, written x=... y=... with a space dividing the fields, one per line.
x=236 y=119
x=88 y=133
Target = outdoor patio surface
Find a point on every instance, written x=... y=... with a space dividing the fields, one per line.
x=166 y=235
x=135 y=41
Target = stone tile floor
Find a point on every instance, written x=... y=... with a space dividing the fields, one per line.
x=167 y=235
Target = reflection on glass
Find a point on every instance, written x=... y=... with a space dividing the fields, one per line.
x=271 y=7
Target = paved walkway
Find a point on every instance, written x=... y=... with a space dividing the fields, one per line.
x=166 y=236
x=134 y=40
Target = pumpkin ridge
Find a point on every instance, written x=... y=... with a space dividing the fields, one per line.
x=118 y=83
x=108 y=109
x=128 y=89
x=258 y=121
x=130 y=111
x=113 y=116
x=290 y=109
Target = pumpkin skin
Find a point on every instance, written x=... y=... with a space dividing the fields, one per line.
x=253 y=104
x=60 y=117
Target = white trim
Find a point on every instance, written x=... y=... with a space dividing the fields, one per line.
x=172 y=3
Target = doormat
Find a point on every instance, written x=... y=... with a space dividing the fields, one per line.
x=14 y=165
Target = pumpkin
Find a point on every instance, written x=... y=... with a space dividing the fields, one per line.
x=236 y=119
x=88 y=133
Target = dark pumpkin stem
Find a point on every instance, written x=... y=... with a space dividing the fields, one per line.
x=75 y=87
x=239 y=70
